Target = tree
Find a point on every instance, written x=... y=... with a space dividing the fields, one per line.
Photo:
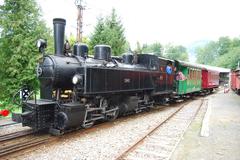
x=98 y=37
x=230 y=59
x=110 y=31
x=176 y=52
x=224 y=52
x=72 y=40
x=236 y=42
x=155 y=48
x=223 y=45
x=21 y=27
x=207 y=54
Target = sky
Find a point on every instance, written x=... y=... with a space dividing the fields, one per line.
x=165 y=21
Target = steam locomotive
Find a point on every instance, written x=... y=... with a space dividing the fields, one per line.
x=77 y=90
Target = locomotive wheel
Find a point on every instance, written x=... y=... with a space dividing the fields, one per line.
x=112 y=115
x=62 y=120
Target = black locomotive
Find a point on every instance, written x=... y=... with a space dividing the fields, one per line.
x=77 y=90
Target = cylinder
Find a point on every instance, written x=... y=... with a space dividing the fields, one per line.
x=80 y=49
x=102 y=52
x=128 y=58
x=59 y=32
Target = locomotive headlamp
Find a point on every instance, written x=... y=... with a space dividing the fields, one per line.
x=77 y=79
x=41 y=44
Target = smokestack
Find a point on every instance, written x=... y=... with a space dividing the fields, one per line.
x=59 y=32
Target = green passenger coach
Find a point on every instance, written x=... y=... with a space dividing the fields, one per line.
x=188 y=78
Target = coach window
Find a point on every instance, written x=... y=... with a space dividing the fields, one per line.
x=192 y=74
x=194 y=71
x=189 y=73
x=195 y=74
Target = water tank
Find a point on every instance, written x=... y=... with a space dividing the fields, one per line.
x=102 y=52
x=80 y=49
x=128 y=58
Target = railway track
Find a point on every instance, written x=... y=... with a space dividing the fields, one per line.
x=20 y=140
x=8 y=124
x=14 y=135
x=24 y=140
x=161 y=140
x=17 y=145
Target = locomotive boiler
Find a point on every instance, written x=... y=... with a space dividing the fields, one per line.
x=77 y=90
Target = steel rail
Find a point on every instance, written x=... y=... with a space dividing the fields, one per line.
x=140 y=141
x=13 y=135
x=21 y=145
x=8 y=124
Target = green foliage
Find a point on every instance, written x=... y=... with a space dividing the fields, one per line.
x=230 y=59
x=72 y=40
x=176 y=52
x=223 y=53
x=110 y=31
x=207 y=54
x=20 y=28
x=223 y=45
x=155 y=48
x=171 y=51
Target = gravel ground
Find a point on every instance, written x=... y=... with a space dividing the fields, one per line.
x=5 y=120
x=103 y=143
x=162 y=142
x=11 y=128
x=223 y=142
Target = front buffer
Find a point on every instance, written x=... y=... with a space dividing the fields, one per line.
x=45 y=115
x=37 y=114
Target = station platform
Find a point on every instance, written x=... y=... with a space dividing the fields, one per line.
x=221 y=139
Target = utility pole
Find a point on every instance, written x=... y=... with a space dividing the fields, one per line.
x=80 y=9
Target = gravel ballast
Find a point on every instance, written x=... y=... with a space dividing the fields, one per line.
x=102 y=143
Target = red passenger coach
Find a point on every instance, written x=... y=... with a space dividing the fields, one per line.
x=210 y=79
x=235 y=80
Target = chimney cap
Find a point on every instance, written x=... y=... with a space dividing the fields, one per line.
x=59 y=20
